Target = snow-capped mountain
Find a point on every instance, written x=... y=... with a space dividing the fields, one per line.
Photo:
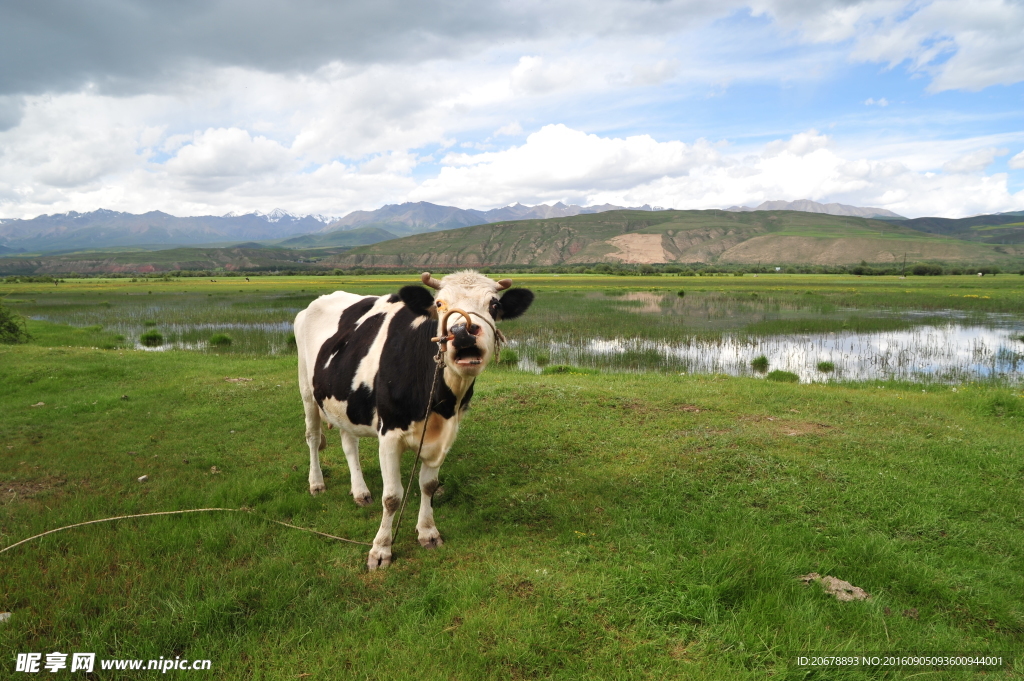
x=808 y=206
x=103 y=228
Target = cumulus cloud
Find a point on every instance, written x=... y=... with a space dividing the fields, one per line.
x=557 y=161
x=974 y=162
x=218 y=158
x=1017 y=162
x=800 y=144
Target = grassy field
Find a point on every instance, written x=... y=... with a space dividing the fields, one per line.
x=597 y=525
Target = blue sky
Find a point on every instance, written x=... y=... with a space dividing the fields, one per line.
x=327 y=107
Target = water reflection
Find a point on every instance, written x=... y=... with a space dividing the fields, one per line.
x=951 y=352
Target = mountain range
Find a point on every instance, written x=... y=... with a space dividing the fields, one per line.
x=107 y=228
x=635 y=237
x=155 y=230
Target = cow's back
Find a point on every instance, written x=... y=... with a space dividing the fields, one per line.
x=314 y=326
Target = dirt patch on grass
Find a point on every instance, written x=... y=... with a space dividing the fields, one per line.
x=520 y=588
x=26 y=489
x=796 y=428
x=787 y=427
x=842 y=590
x=639 y=249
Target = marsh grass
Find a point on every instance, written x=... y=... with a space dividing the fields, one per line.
x=152 y=339
x=601 y=526
x=780 y=376
x=220 y=340
x=759 y=364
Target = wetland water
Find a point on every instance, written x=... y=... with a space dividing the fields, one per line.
x=701 y=332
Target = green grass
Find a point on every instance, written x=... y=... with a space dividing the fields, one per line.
x=596 y=526
x=826 y=367
x=780 y=376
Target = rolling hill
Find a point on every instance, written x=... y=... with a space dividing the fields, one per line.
x=711 y=236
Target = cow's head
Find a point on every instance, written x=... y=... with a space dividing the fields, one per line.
x=473 y=344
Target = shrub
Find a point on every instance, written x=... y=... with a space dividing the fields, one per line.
x=149 y=322
x=759 y=364
x=783 y=376
x=220 y=340
x=152 y=339
x=12 y=326
x=926 y=270
x=508 y=355
x=681 y=294
x=826 y=367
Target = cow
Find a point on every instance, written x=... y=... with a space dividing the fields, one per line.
x=366 y=366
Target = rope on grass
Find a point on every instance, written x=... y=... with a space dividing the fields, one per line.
x=191 y=510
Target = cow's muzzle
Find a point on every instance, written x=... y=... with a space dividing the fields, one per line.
x=464 y=341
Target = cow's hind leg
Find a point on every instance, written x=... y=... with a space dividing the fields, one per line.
x=391 y=448
x=360 y=492
x=316 y=441
x=429 y=537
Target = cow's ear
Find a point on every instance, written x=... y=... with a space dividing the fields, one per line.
x=514 y=303
x=418 y=299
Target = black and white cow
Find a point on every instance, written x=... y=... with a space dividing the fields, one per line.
x=366 y=364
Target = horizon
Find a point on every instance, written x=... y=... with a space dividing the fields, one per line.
x=329 y=108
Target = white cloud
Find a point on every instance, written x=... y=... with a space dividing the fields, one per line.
x=510 y=130
x=882 y=101
x=535 y=76
x=974 y=162
x=1017 y=162
x=225 y=156
x=558 y=163
x=801 y=144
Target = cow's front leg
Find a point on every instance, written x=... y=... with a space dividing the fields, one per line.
x=429 y=537
x=360 y=492
x=317 y=442
x=391 y=447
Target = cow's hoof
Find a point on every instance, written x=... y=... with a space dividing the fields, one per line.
x=431 y=540
x=364 y=499
x=380 y=557
x=316 y=487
